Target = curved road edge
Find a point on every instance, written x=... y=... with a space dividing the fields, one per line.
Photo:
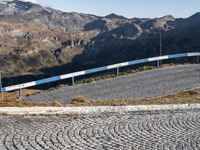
x=93 y=109
x=148 y=84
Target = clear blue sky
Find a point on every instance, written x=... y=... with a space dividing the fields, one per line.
x=127 y=8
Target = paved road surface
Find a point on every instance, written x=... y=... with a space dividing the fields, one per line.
x=144 y=84
x=167 y=130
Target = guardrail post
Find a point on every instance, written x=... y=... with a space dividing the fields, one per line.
x=117 y=70
x=1 y=88
x=197 y=59
x=158 y=63
x=72 y=80
x=2 y=94
x=20 y=93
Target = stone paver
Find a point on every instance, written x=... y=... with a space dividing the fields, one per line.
x=158 y=130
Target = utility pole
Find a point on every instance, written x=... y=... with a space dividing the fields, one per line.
x=159 y=62
x=160 y=43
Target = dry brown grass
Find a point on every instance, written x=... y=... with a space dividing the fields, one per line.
x=56 y=104
x=19 y=103
x=79 y=100
x=11 y=99
x=15 y=95
x=190 y=96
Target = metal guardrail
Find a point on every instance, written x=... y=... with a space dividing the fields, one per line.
x=95 y=70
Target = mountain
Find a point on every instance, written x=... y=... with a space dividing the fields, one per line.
x=20 y=11
x=35 y=40
x=114 y=16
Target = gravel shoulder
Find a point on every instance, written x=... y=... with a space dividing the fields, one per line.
x=140 y=85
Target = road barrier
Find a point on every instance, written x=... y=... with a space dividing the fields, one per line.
x=20 y=87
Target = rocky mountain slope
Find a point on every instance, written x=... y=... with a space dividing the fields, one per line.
x=35 y=40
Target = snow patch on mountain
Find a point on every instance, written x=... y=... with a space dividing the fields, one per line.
x=32 y=1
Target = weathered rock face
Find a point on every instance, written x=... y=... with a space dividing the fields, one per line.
x=33 y=38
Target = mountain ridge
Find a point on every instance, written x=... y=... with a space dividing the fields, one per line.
x=33 y=38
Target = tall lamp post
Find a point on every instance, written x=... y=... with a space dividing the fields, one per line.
x=160 y=43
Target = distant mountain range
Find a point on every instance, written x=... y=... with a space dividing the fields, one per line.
x=36 y=40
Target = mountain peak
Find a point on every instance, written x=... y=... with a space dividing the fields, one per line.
x=15 y=7
x=20 y=4
x=7 y=1
x=114 y=16
x=168 y=17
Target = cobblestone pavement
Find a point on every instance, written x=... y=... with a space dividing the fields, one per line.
x=163 y=130
x=144 y=84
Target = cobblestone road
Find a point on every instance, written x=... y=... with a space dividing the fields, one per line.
x=134 y=130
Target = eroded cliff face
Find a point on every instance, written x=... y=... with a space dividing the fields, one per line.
x=33 y=38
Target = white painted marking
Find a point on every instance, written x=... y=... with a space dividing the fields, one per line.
x=20 y=86
x=78 y=73
x=113 y=66
x=12 y=88
x=124 y=64
x=193 y=54
x=153 y=59
x=29 y=84
x=66 y=76
x=163 y=57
